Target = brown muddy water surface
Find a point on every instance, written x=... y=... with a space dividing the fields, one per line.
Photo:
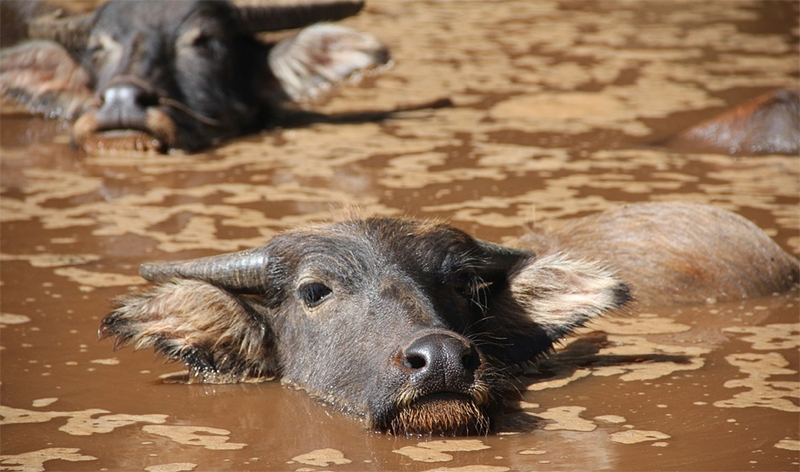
x=554 y=104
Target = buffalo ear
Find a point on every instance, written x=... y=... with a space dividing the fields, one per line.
x=43 y=76
x=541 y=299
x=500 y=260
x=560 y=294
x=222 y=337
x=321 y=56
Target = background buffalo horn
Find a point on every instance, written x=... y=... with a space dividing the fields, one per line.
x=71 y=32
x=295 y=14
x=236 y=271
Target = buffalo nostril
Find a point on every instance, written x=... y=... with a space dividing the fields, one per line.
x=471 y=360
x=441 y=362
x=124 y=96
x=124 y=106
x=415 y=362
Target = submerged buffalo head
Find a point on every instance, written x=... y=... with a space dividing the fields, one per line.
x=411 y=325
x=181 y=73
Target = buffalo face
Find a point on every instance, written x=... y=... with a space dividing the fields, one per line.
x=154 y=75
x=165 y=80
x=411 y=325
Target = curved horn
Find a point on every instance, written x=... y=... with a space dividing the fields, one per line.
x=295 y=14
x=71 y=32
x=241 y=270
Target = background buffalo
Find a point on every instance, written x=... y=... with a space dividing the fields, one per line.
x=156 y=75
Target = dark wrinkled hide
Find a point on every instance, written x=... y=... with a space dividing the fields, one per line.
x=154 y=75
x=768 y=124
x=415 y=325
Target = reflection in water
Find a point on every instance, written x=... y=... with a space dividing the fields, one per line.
x=555 y=102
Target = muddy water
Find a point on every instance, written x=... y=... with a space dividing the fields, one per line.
x=555 y=103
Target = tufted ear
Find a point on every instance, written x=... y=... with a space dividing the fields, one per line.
x=560 y=294
x=43 y=76
x=546 y=298
x=221 y=336
x=321 y=56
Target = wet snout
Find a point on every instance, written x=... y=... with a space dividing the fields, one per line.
x=440 y=362
x=126 y=117
x=124 y=106
x=446 y=388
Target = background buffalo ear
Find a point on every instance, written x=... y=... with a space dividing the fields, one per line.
x=44 y=77
x=560 y=294
x=321 y=56
x=222 y=337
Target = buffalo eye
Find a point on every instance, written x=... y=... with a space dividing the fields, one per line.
x=202 y=41
x=472 y=287
x=100 y=44
x=94 y=49
x=314 y=293
x=466 y=283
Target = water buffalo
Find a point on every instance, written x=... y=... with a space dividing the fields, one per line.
x=156 y=75
x=414 y=325
x=767 y=124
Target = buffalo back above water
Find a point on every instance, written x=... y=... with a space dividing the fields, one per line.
x=766 y=124
x=677 y=252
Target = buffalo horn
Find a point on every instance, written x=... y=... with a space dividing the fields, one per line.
x=72 y=32
x=295 y=14
x=236 y=271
